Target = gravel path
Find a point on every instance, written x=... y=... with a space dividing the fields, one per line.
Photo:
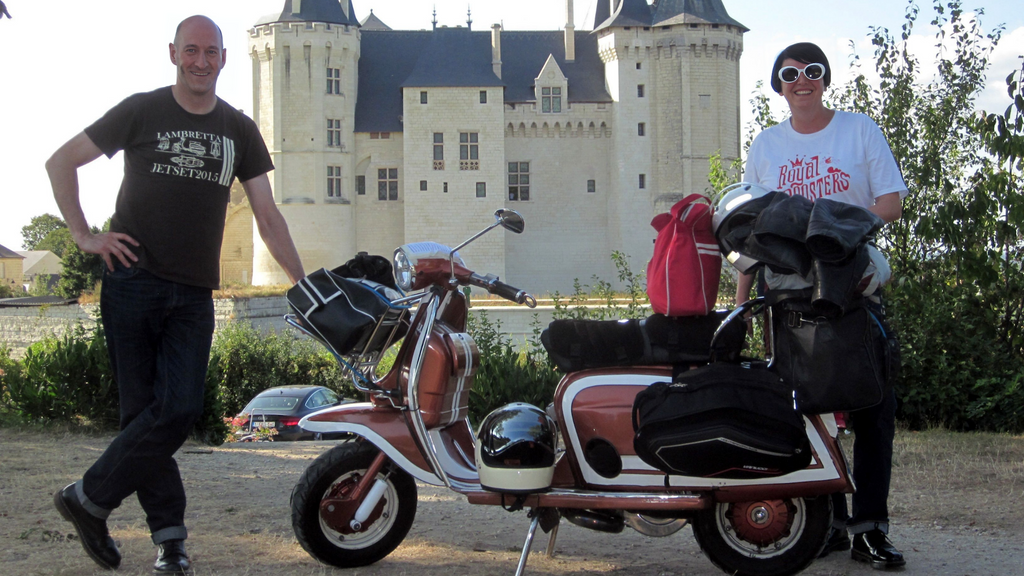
x=239 y=523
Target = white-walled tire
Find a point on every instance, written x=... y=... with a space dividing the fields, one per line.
x=764 y=538
x=346 y=463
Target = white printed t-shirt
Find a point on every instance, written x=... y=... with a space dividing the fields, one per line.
x=848 y=161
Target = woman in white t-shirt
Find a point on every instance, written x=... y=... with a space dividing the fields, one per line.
x=823 y=153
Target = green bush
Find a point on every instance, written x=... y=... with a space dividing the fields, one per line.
x=63 y=378
x=244 y=362
x=506 y=374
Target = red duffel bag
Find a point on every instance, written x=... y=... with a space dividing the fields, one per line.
x=682 y=277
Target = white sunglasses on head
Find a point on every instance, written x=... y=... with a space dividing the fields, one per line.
x=790 y=74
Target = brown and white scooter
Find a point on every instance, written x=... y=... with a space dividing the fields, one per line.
x=356 y=502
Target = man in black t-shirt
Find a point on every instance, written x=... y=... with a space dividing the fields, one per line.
x=183 y=147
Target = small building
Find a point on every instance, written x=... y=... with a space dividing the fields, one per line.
x=11 y=269
x=40 y=267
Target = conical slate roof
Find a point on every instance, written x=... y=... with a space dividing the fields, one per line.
x=328 y=11
x=371 y=22
x=670 y=12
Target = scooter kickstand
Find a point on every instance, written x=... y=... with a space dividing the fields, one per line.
x=527 y=544
x=551 y=541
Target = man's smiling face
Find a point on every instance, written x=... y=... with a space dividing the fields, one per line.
x=198 y=52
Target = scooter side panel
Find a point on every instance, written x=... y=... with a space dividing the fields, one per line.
x=598 y=404
x=386 y=428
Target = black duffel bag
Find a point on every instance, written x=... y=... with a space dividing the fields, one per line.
x=721 y=421
x=833 y=364
x=341 y=312
x=580 y=344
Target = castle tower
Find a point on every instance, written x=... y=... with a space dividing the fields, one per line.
x=305 y=66
x=673 y=72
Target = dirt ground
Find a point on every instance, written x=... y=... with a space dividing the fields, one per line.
x=955 y=506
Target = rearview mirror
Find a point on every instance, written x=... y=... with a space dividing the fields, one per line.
x=510 y=220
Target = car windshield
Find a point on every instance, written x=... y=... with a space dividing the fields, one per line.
x=274 y=402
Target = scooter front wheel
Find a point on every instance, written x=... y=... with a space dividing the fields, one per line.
x=334 y=473
x=766 y=537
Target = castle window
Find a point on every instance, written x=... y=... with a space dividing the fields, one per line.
x=643 y=181
x=591 y=186
x=705 y=100
x=334 y=181
x=445 y=187
x=483 y=96
x=481 y=189
x=423 y=185
x=641 y=129
x=518 y=181
x=423 y=97
x=551 y=100
x=469 y=151
x=387 y=184
x=361 y=185
x=638 y=66
x=639 y=90
x=438 y=151
x=334 y=80
x=380 y=135
x=333 y=132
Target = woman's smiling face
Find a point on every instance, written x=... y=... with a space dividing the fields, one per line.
x=803 y=93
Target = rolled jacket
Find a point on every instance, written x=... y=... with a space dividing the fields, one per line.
x=836 y=229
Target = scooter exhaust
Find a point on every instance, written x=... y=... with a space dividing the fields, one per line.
x=594 y=520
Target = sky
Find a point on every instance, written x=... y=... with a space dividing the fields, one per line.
x=63 y=63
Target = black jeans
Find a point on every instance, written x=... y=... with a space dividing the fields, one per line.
x=159 y=334
x=872 y=469
x=874 y=429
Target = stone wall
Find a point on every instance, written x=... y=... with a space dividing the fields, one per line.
x=20 y=327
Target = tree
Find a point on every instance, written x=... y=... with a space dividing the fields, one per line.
x=58 y=241
x=38 y=229
x=81 y=272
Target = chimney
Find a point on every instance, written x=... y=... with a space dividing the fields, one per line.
x=570 y=33
x=496 y=49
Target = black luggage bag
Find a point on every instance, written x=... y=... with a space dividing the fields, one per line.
x=580 y=344
x=721 y=421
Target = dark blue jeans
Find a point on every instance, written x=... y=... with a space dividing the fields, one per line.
x=159 y=335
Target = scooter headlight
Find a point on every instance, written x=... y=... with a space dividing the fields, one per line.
x=405 y=273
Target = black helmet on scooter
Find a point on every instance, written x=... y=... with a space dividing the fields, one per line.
x=515 y=449
x=737 y=208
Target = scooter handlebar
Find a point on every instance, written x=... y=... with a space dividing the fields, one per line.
x=506 y=291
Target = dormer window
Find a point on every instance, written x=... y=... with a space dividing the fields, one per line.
x=551 y=100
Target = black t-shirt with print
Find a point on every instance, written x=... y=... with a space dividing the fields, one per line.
x=178 y=170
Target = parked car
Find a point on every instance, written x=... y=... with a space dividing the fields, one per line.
x=282 y=407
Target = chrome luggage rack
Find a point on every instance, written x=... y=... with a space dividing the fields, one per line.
x=362 y=364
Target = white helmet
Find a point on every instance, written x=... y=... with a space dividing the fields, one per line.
x=515 y=449
x=730 y=200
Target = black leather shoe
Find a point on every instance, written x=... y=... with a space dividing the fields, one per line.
x=171 y=558
x=838 y=540
x=874 y=547
x=92 y=531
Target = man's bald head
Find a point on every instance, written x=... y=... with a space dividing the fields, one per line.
x=193 y=21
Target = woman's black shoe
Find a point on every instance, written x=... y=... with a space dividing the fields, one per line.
x=838 y=540
x=171 y=558
x=92 y=531
x=874 y=547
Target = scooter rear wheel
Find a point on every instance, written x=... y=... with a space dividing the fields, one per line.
x=764 y=538
x=335 y=470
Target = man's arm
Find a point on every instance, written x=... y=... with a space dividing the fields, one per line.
x=62 y=168
x=272 y=226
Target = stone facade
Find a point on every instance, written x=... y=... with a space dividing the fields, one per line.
x=598 y=171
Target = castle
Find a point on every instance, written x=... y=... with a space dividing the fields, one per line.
x=382 y=137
